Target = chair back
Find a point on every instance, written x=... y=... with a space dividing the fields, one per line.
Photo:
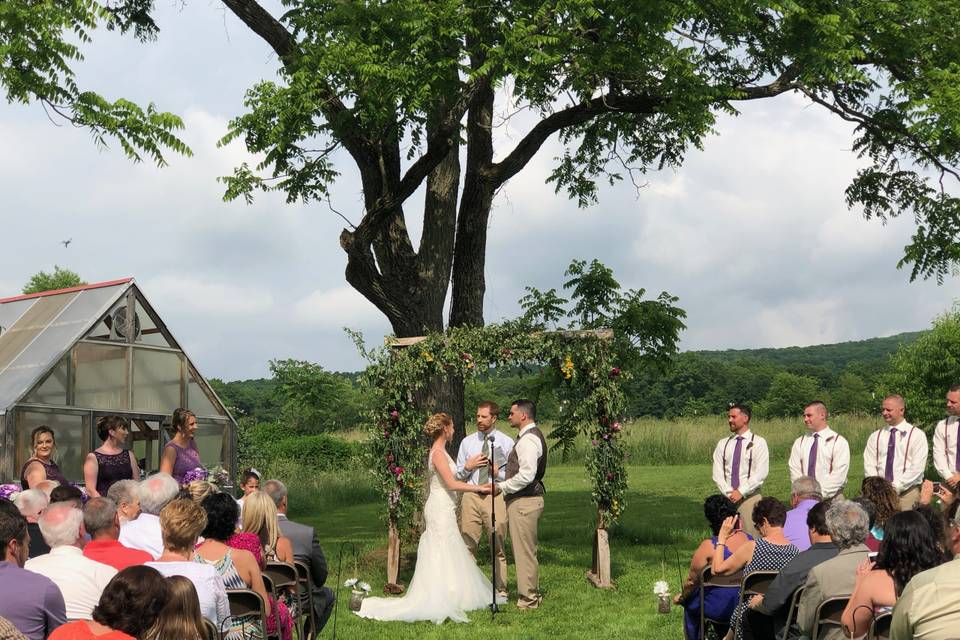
x=829 y=613
x=305 y=583
x=708 y=579
x=880 y=627
x=249 y=605
x=210 y=630
x=284 y=575
x=756 y=583
x=792 y=611
x=268 y=585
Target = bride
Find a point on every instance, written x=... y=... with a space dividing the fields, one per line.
x=446 y=581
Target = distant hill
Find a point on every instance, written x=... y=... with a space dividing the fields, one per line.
x=832 y=356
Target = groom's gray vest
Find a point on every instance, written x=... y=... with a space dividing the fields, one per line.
x=535 y=488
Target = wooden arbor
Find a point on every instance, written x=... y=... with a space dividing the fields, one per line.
x=588 y=383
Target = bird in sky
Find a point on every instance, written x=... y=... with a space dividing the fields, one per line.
x=66 y=243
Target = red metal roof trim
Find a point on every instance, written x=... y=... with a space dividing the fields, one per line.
x=54 y=292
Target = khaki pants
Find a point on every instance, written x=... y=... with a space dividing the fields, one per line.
x=475 y=519
x=523 y=516
x=745 y=509
x=909 y=498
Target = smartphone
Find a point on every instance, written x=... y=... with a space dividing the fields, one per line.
x=737 y=524
x=936 y=487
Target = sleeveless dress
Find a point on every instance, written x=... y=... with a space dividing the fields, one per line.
x=51 y=468
x=766 y=557
x=112 y=468
x=446 y=581
x=188 y=459
x=240 y=627
x=718 y=602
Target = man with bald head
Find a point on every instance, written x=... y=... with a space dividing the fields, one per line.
x=897 y=453
x=946 y=441
x=821 y=453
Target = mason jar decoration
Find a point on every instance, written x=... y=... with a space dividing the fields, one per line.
x=662 y=590
x=358 y=591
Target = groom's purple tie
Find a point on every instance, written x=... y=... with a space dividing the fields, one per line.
x=956 y=462
x=891 y=454
x=735 y=466
x=812 y=460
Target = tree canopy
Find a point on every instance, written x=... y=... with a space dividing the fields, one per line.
x=60 y=278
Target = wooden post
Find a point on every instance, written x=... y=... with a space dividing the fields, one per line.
x=393 y=561
x=599 y=575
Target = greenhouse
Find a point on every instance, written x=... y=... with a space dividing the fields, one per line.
x=69 y=356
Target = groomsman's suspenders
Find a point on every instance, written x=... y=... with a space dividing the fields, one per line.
x=749 y=458
x=906 y=454
x=835 y=438
x=946 y=440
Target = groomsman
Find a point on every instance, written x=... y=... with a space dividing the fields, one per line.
x=946 y=440
x=741 y=463
x=897 y=452
x=523 y=492
x=472 y=468
x=821 y=453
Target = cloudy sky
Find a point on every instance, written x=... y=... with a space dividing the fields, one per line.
x=752 y=234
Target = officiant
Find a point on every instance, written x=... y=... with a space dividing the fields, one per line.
x=472 y=468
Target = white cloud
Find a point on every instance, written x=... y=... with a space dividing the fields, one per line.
x=192 y=297
x=336 y=308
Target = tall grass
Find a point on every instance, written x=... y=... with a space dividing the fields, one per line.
x=314 y=492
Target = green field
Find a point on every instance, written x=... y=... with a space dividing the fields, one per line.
x=664 y=518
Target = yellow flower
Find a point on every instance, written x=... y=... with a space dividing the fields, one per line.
x=426 y=356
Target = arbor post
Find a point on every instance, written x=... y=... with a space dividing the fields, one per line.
x=393 y=560
x=599 y=575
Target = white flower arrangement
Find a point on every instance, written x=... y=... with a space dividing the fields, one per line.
x=357 y=585
x=661 y=588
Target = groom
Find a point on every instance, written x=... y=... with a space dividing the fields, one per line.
x=523 y=492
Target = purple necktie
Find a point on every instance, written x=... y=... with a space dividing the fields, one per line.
x=812 y=460
x=735 y=467
x=956 y=462
x=891 y=454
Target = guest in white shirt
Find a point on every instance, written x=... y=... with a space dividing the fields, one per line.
x=946 y=440
x=181 y=523
x=472 y=467
x=126 y=495
x=821 y=453
x=741 y=463
x=80 y=579
x=144 y=532
x=897 y=453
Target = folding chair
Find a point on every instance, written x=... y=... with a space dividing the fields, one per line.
x=248 y=604
x=880 y=627
x=305 y=582
x=792 y=611
x=828 y=614
x=210 y=630
x=707 y=579
x=756 y=583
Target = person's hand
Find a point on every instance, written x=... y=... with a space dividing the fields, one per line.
x=677 y=599
x=865 y=567
x=735 y=496
x=484 y=489
x=756 y=601
x=926 y=491
x=954 y=480
x=496 y=488
x=947 y=497
x=726 y=529
x=475 y=461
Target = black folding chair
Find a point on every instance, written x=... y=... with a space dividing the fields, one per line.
x=880 y=627
x=305 y=583
x=792 y=611
x=756 y=583
x=829 y=613
x=707 y=579
x=248 y=605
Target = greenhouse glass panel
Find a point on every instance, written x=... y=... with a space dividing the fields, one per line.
x=150 y=331
x=212 y=442
x=101 y=381
x=198 y=401
x=53 y=390
x=72 y=436
x=156 y=381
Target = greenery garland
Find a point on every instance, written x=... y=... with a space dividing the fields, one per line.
x=589 y=388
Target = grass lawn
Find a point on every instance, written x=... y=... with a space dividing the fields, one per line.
x=664 y=518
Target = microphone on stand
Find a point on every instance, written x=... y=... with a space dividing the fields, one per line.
x=493 y=527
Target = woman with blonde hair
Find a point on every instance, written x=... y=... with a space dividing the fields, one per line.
x=200 y=489
x=446 y=580
x=260 y=518
x=41 y=466
x=180 y=618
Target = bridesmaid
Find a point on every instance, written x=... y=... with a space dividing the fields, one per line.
x=180 y=455
x=41 y=466
x=111 y=462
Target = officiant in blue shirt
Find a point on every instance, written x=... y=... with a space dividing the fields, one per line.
x=472 y=468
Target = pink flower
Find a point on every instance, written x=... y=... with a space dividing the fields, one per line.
x=594 y=442
x=614 y=372
x=609 y=476
x=398 y=470
x=394 y=414
x=606 y=436
x=615 y=427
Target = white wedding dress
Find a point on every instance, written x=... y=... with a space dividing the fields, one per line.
x=446 y=581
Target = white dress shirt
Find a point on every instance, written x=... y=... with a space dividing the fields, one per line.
x=528 y=451
x=833 y=460
x=754 y=463
x=945 y=447
x=80 y=579
x=143 y=533
x=909 y=458
x=210 y=590
x=472 y=445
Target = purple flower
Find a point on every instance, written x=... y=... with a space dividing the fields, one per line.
x=594 y=442
x=9 y=491
x=195 y=474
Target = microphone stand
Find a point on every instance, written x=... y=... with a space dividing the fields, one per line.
x=493 y=532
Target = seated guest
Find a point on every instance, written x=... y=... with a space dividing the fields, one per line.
x=180 y=618
x=718 y=602
x=260 y=518
x=867 y=505
x=130 y=604
x=908 y=547
x=237 y=568
x=804 y=494
x=181 y=523
x=125 y=494
x=769 y=611
x=848 y=526
x=103 y=526
x=885 y=500
x=929 y=606
x=306 y=548
x=67 y=493
x=249 y=482
x=200 y=489
x=144 y=533
x=770 y=552
x=31 y=503
x=81 y=580
x=32 y=602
